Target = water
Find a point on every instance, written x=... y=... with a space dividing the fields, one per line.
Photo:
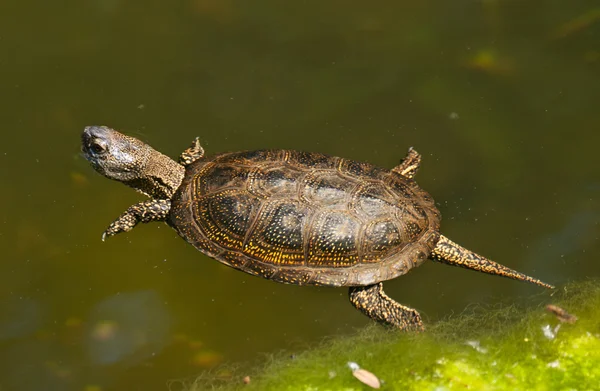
x=501 y=98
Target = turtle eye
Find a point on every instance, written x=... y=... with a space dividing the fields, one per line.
x=98 y=146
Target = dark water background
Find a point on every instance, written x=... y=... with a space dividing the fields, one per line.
x=502 y=98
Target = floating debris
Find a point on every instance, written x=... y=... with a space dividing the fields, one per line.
x=488 y=61
x=477 y=346
x=364 y=376
x=78 y=179
x=246 y=380
x=206 y=359
x=367 y=378
x=553 y=364
x=561 y=314
x=550 y=332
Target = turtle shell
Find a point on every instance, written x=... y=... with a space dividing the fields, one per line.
x=305 y=218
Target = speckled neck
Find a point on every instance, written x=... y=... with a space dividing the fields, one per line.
x=160 y=177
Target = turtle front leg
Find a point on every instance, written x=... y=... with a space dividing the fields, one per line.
x=410 y=164
x=144 y=212
x=372 y=301
x=193 y=153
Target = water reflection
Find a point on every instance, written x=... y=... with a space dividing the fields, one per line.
x=121 y=331
x=127 y=328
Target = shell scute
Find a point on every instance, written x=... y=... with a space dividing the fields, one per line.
x=278 y=234
x=221 y=177
x=361 y=170
x=381 y=238
x=333 y=240
x=312 y=161
x=226 y=216
x=327 y=189
x=274 y=181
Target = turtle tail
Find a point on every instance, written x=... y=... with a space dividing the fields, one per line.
x=450 y=253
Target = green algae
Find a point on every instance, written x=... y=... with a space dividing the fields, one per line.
x=507 y=348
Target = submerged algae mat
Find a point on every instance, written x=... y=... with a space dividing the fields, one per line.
x=505 y=348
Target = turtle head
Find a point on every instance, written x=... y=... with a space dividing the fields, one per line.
x=131 y=161
x=113 y=154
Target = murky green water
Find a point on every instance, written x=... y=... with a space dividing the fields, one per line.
x=501 y=98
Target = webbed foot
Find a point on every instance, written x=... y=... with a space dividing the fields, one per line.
x=410 y=164
x=193 y=153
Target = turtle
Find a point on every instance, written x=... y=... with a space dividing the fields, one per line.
x=290 y=216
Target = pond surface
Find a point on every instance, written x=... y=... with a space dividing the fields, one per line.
x=501 y=98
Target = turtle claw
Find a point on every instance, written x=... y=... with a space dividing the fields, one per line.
x=106 y=234
x=124 y=223
x=143 y=212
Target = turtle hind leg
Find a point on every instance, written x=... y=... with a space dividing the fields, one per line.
x=372 y=301
x=448 y=252
x=193 y=153
x=410 y=164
